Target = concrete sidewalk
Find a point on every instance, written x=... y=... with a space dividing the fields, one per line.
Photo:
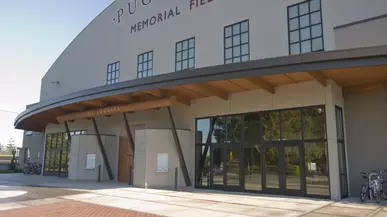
x=193 y=202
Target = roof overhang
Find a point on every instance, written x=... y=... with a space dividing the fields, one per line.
x=356 y=70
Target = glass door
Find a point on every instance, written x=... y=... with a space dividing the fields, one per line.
x=293 y=168
x=217 y=168
x=272 y=168
x=233 y=172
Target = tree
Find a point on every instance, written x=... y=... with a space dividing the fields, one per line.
x=2 y=148
x=10 y=146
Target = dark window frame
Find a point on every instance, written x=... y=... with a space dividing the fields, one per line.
x=310 y=26
x=145 y=62
x=115 y=72
x=181 y=54
x=225 y=37
x=343 y=174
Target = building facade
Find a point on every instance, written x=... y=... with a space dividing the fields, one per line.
x=281 y=97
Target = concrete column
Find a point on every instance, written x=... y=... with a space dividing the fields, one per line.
x=333 y=158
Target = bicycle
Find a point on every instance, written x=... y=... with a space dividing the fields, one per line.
x=379 y=181
x=32 y=169
x=368 y=188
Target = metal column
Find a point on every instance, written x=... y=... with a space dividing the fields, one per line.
x=68 y=132
x=102 y=149
x=179 y=151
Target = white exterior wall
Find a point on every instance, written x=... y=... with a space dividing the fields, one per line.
x=83 y=64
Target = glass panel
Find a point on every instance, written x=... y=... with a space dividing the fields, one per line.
x=305 y=34
x=245 y=38
x=150 y=64
x=272 y=169
x=236 y=29
x=317 y=44
x=178 y=47
x=294 y=36
x=245 y=26
x=145 y=57
x=219 y=134
x=118 y=74
x=140 y=67
x=315 y=18
x=53 y=141
x=237 y=51
x=139 y=75
x=185 y=64
x=113 y=67
x=150 y=55
x=304 y=21
x=228 y=42
x=245 y=58
x=228 y=31
x=305 y=47
x=145 y=66
x=59 y=140
x=295 y=48
x=342 y=162
x=291 y=125
x=49 y=142
x=109 y=68
x=271 y=126
x=316 y=31
x=245 y=49
x=228 y=53
x=228 y=61
x=178 y=66
x=293 y=24
x=118 y=66
x=47 y=161
x=293 y=11
x=314 y=5
x=185 y=45
x=233 y=170
x=236 y=40
x=217 y=173
x=234 y=129
x=236 y=60
x=314 y=123
x=317 y=182
x=252 y=131
x=304 y=8
x=185 y=55
x=178 y=56
x=202 y=166
x=144 y=74
x=191 y=53
x=117 y=80
x=252 y=157
x=191 y=63
x=293 y=170
x=150 y=72
x=191 y=43
x=140 y=58
x=339 y=123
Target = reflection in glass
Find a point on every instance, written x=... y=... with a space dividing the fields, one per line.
x=272 y=169
x=292 y=162
x=314 y=123
x=252 y=157
x=233 y=172
x=339 y=123
x=252 y=132
x=202 y=166
x=291 y=125
x=218 y=169
x=219 y=134
x=271 y=126
x=202 y=130
x=234 y=129
x=317 y=182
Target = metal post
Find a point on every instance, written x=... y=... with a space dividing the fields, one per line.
x=68 y=132
x=102 y=149
x=179 y=151
x=175 y=187
x=99 y=173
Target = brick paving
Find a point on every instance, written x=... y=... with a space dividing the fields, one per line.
x=72 y=209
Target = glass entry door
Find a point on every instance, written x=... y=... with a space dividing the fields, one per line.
x=283 y=169
x=225 y=172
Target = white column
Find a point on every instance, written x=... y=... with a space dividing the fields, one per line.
x=333 y=158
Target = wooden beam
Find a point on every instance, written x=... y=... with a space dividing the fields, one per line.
x=56 y=111
x=74 y=107
x=97 y=103
x=152 y=104
x=181 y=100
x=157 y=92
x=260 y=83
x=320 y=77
x=211 y=91
x=126 y=98
x=359 y=88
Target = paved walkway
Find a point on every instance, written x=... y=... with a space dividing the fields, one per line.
x=16 y=199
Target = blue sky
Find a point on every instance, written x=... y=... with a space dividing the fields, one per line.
x=32 y=36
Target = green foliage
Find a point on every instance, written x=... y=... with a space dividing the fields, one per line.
x=11 y=171
x=10 y=146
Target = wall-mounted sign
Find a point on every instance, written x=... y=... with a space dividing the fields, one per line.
x=134 y=5
x=90 y=161
x=162 y=162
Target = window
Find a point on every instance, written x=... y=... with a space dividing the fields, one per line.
x=185 y=54
x=27 y=155
x=305 y=27
x=78 y=132
x=145 y=65
x=113 y=73
x=236 y=43
x=28 y=133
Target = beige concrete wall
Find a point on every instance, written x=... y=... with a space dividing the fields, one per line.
x=150 y=142
x=87 y=144
x=366 y=124
x=366 y=34
x=104 y=42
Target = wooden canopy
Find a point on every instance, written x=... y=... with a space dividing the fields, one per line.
x=356 y=70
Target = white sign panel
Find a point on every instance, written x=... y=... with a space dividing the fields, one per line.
x=90 y=161
x=162 y=162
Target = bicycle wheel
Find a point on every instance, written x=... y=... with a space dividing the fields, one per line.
x=378 y=197
x=363 y=193
x=25 y=171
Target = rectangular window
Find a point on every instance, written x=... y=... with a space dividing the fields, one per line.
x=185 y=54
x=27 y=155
x=305 y=27
x=236 y=43
x=145 y=65
x=113 y=73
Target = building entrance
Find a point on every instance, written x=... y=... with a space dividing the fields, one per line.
x=226 y=168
